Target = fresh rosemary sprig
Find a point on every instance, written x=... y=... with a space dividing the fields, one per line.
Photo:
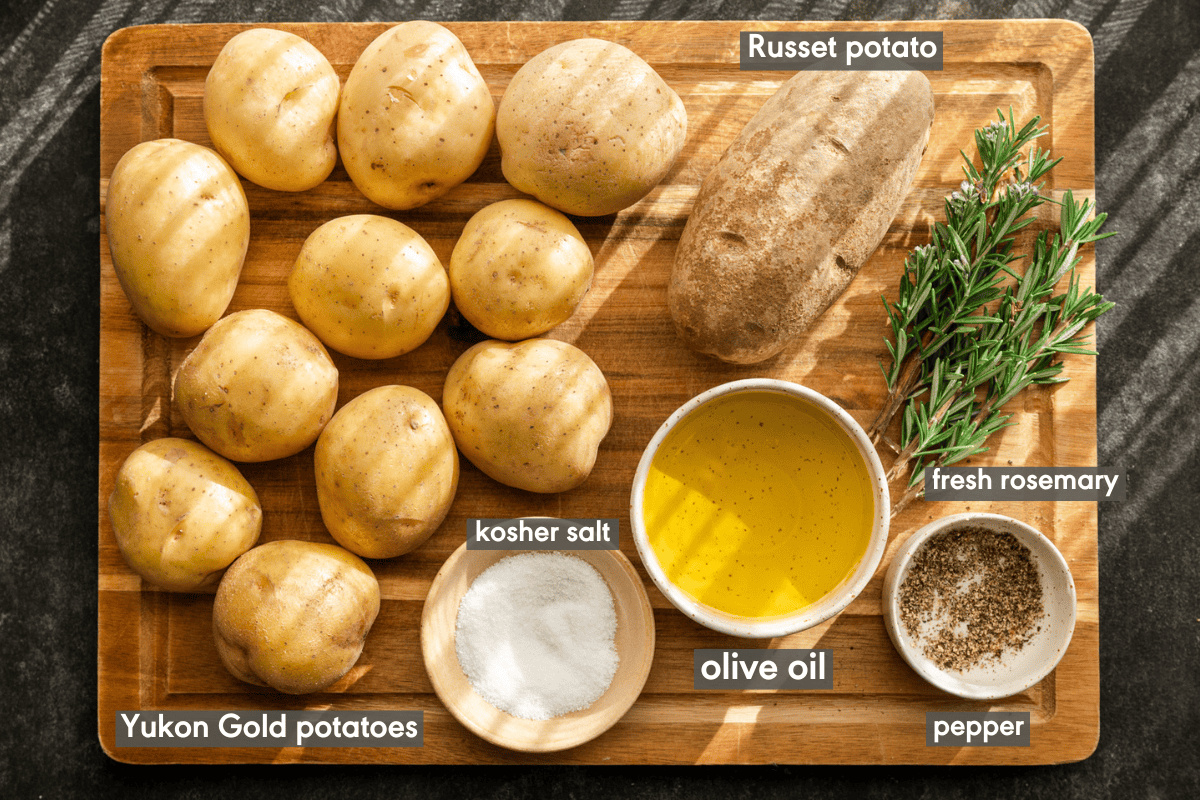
x=960 y=270
x=969 y=332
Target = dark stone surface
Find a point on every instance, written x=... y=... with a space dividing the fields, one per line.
x=1148 y=159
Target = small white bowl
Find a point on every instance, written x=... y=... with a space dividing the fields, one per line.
x=1017 y=670
x=830 y=604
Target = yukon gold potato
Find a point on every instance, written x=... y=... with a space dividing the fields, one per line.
x=530 y=414
x=270 y=101
x=178 y=227
x=519 y=269
x=588 y=127
x=794 y=208
x=181 y=513
x=258 y=387
x=369 y=286
x=387 y=471
x=294 y=615
x=416 y=117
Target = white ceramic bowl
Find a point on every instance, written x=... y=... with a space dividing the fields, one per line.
x=826 y=607
x=1017 y=670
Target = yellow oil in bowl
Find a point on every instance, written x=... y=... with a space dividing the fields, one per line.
x=758 y=504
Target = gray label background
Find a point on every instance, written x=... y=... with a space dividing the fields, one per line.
x=838 y=62
x=951 y=740
x=943 y=492
x=561 y=534
x=291 y=722
x=781 y=658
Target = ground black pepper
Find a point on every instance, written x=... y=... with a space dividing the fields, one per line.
x=970 y=595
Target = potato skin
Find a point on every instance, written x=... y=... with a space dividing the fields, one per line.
x=178 y=228
x=387 y=471
x=181 y=514
x=519 y=269
x=531 y=414
x=369 y=286
x=794 y=207
x=294 y=615
x=588 y=127
x=416 y=117
x=270 y=101
x=258 y=387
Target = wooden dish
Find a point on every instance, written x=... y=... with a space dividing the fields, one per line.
x=634 y=639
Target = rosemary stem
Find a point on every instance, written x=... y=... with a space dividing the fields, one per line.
x=910 y=494
x=907 y=382
x=915 y=441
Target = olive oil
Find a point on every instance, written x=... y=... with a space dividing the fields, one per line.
x=758 y=504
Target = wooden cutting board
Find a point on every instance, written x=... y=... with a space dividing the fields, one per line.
x=155 y=648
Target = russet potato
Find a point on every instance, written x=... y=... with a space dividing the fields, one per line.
x=795 y=206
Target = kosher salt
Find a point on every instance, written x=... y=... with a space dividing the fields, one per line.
x=535 y=635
